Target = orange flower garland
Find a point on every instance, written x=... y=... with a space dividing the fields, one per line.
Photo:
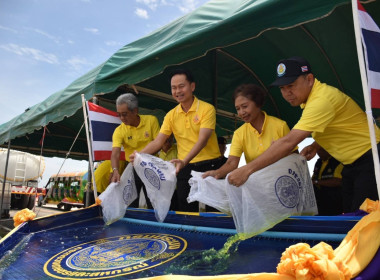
x=23 y=215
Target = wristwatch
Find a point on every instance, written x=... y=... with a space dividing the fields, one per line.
x=115 y=168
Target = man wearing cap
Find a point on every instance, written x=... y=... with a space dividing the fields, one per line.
x=335 y=122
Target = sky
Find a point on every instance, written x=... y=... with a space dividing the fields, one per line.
x=47 y=44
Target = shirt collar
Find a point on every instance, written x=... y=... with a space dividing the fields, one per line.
x=194 y=107
x=315 y=87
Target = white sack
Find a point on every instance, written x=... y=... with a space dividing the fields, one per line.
x=271 y=195
x=209 y=191
x=159 y=178
x=117 y=196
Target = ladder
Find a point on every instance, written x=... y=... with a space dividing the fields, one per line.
x=20 y=169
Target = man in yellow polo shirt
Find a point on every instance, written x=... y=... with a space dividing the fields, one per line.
x=192 y=122
x=335 y=122
x=134 y=133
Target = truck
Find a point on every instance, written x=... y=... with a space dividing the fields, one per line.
x=23 y=172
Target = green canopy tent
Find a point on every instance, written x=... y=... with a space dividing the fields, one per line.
x=224 y=43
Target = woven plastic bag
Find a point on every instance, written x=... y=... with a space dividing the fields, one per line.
x=117 y=196
x=209 y=191
x=159 y=178
x=271 y=195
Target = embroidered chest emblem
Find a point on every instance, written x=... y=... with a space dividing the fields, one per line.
x=146 y=134
x=196 y=119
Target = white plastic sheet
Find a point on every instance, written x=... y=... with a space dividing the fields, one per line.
x=269 y=196
x=159 y=178
x=209 y=191
x=117 y=196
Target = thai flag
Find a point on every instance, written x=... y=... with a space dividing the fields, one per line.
x=371 y=44
x=102 y=125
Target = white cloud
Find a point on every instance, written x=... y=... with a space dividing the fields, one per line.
x=142 y=13
x=187 y=6
x=30 y=52
x=51 y=37
x=77 y=63
x=152 y=4
x=71 y=42
x=8 y=29
x=92 y=30
x=113 y=43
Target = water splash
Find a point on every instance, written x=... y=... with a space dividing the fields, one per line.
x=203 y=262
x=12 y=255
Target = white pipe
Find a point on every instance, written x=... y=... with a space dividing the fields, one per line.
x=366 y=93
x=89 y=146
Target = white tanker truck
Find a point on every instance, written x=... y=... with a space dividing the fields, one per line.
x=23 y=172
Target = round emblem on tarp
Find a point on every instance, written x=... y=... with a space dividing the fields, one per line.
x=128 y=191
x=115 y=256
x=287 y=191
x=281 y=68
x=152 y=177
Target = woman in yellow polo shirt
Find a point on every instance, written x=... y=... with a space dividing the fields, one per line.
x=256 y=135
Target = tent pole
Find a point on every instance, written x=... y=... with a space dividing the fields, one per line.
x=366 y=93
x=89 y=147
x=5 y=178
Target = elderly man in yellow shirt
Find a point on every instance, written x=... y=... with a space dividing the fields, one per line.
x=335 y=122
x=134 y=133
x=192 y=122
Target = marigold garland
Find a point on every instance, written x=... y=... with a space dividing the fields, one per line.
x=22 y=216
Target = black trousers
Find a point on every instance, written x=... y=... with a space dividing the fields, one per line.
x=183 y=187
x=359 y=182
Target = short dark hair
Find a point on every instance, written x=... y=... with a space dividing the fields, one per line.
x=182 y=71
x=252 y=92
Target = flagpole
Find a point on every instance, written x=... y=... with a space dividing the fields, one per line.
x=89 y=146
x=366 y=93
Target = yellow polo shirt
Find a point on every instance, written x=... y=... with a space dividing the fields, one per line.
x=170 y=154
x=186 y=126
x=248 y=140
x=136 y=138
x=102 y=174
x=337 y=123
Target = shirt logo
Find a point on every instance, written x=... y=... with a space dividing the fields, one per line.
x=130 y=137
x=281 y=68
x=146 y=134
x=196 y=119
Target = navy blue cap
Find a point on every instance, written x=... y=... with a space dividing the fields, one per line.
x=288 y=70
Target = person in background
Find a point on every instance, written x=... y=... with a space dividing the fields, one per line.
x=335 y=122
x=327 y=181
x=192 y=122
x=169 y=149
x=256 y=135
x=222 y=143
x=103 y=175
x=133 y=134
x=167 y=153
